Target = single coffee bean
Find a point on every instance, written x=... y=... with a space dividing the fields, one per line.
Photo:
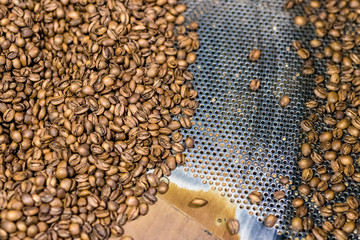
x=340 y=234
x=339 y=220
x=352 y=215
x=352 y=202
x=254 y=84
x=348 y=227
x=163 y=188
x=327 y=226
x=254 y=55
x=309 y=236
x=308 y=223
x=307 y=174
x=303 y=53
x=329 y=195
x=304 y=189
x=279 y=194
x=301 y=211
x=297 y=224
x=284 y=180
x=315 y=43
x=270 y=221
x=284 y=101
x=198 y=202
x=314 y=182
x=297 y=202
x=255 y=196
x=319 y=233
x=189 y=142
x=340 y=187
x=297 y=44
x=305 y=163
x=326 y=211
x=233 y=226
x=318 y=199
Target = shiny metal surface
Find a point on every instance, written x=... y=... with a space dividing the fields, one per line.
x=244 y=140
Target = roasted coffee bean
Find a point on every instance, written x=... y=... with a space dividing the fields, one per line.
x=92 y=94
x=297 y=45
x=284 y=101
x=327 y=226
x=305 y=163
x=297 y=202
x=198 y=202
x=307 y=174
x=348 y=227
x=301 y=211
x=306 y=149
x=279 y=194
x=297 y=224
x=326 y=211
x=254 y=55
x=352 y=202
x=314 y=182
x=315 y=43
x=308 y=223
x=339 y=221
x=233 y=226
x=255 y=196
x=126 y=237
x=352 y=215
x=270 y=221
x=284 y=180
x=309 y=236
x=318 y=199
x=303 y=53
x=319 y=233
x=300 y=20
x=254 y=84
x=304 y=189
x=340 y=234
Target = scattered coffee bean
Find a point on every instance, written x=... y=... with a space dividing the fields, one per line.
x=254 y=55
x=198 y=202
x=270 y=221
x=255 y=196
x=279 y=194
x=254 y=84
x=233 y=226
x=284 y=101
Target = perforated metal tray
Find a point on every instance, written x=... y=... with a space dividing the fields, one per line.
x=244 y=140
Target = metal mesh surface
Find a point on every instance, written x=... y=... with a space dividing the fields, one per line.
x=244 y=140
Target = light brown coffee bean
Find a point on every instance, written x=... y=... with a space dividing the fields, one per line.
x=254 y=84
x=233 y=226
x=279 y=194
x=303 y=53
x=198 y=202
x=297 y=202
x=300 y=20
x=270 y=220
x=297 y=224
x=284 y=101
x=284 y=180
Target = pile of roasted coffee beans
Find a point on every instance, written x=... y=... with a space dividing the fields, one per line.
x=93 y=94
x=330 y=162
